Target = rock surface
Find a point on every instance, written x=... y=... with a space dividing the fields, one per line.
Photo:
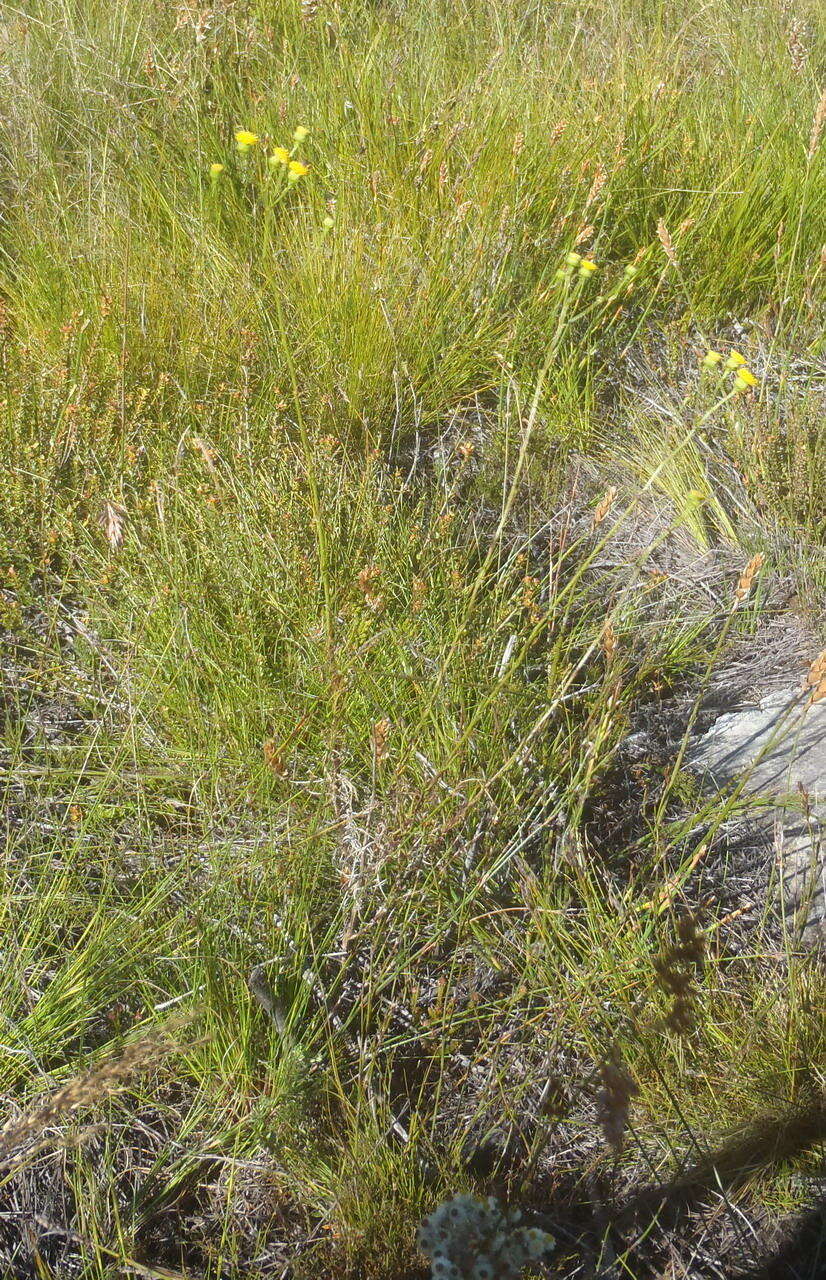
x=776 y=749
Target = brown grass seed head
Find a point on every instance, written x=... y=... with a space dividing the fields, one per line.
x=614 y=1099
x=817 y=126
x=747 y=577
x=675 y=970
x=666 y=242
x=604 y=505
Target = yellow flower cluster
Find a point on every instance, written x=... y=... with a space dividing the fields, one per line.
x=245 y=140
x=733 y=363
x=282 y=156
x=584 y=266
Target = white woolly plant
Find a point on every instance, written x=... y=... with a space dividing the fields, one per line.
x=468 y=1238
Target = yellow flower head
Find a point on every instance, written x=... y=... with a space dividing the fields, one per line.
x=216 y=169
x=711 y=359
x=301 y=134
x=280 y=155
x=586 y=267
x=244 y=139
x=745 y=379
x=735 y=360
x=297 y=170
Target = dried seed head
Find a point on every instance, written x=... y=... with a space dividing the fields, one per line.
x=418 y=594
x=424 y=160
x=748 y=576
x=817 y=126
x=200 y=446
x=367 y=580
x=666 y=242
x=816 y=678
x=112 y=520
x=600 y=179
x=84 y=1091
x=604 y=505
x=274 y=757
x=379 y=735
x=614 y=1099
x=796 y=45
x=531 y=588
x=609 y=642
x=778 y=243
x=675 y=969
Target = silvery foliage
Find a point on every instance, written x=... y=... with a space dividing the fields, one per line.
x=468 y=1238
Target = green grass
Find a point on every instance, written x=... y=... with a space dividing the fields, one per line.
x=341 y=691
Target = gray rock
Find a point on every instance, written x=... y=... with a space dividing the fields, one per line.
x=776 y=749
